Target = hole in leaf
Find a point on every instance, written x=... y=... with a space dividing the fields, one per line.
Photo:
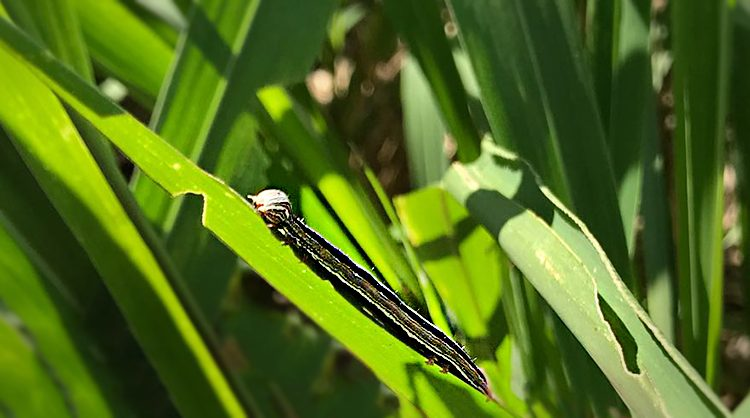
x=623 y=336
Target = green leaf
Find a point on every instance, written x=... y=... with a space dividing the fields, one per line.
x=295 y=368
x=206 y=113
x=526 y=314
x=466 y=267
x=40 y=316
x=208 y=95
x=193 y=93
x=186 y=115
x=61 y=15
x=419 y=23
x=164 y=18
x=658 y=244
x=461 y=259
x=24 y=371
x=431 y=299
x=322 y=168
x=56 y=24
x=232 y=220
x=700 y=92
x=743 y=409
x=560 y=257
x=424 y=132
x=68 y=272
x=319 y=217
x=601 y=36
x=114 y=36
x=539 y=100
x=64 y=256
x=50 y=145
x=630 y=120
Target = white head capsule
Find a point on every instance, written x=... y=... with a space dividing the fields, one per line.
x=273 y=205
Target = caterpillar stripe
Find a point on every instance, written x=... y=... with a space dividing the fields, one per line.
x=359 y=284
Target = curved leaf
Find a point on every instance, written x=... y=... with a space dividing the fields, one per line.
x=539 y=100
x=50 y=145
x=567 y=266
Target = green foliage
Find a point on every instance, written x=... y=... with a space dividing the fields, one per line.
x=577 y=251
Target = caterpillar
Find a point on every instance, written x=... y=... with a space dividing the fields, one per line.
x=380 y=301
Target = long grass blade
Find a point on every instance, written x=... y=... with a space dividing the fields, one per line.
x=700 y=95
x=89 y=206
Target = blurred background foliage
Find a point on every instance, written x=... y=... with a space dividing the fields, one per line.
x=559 y=184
